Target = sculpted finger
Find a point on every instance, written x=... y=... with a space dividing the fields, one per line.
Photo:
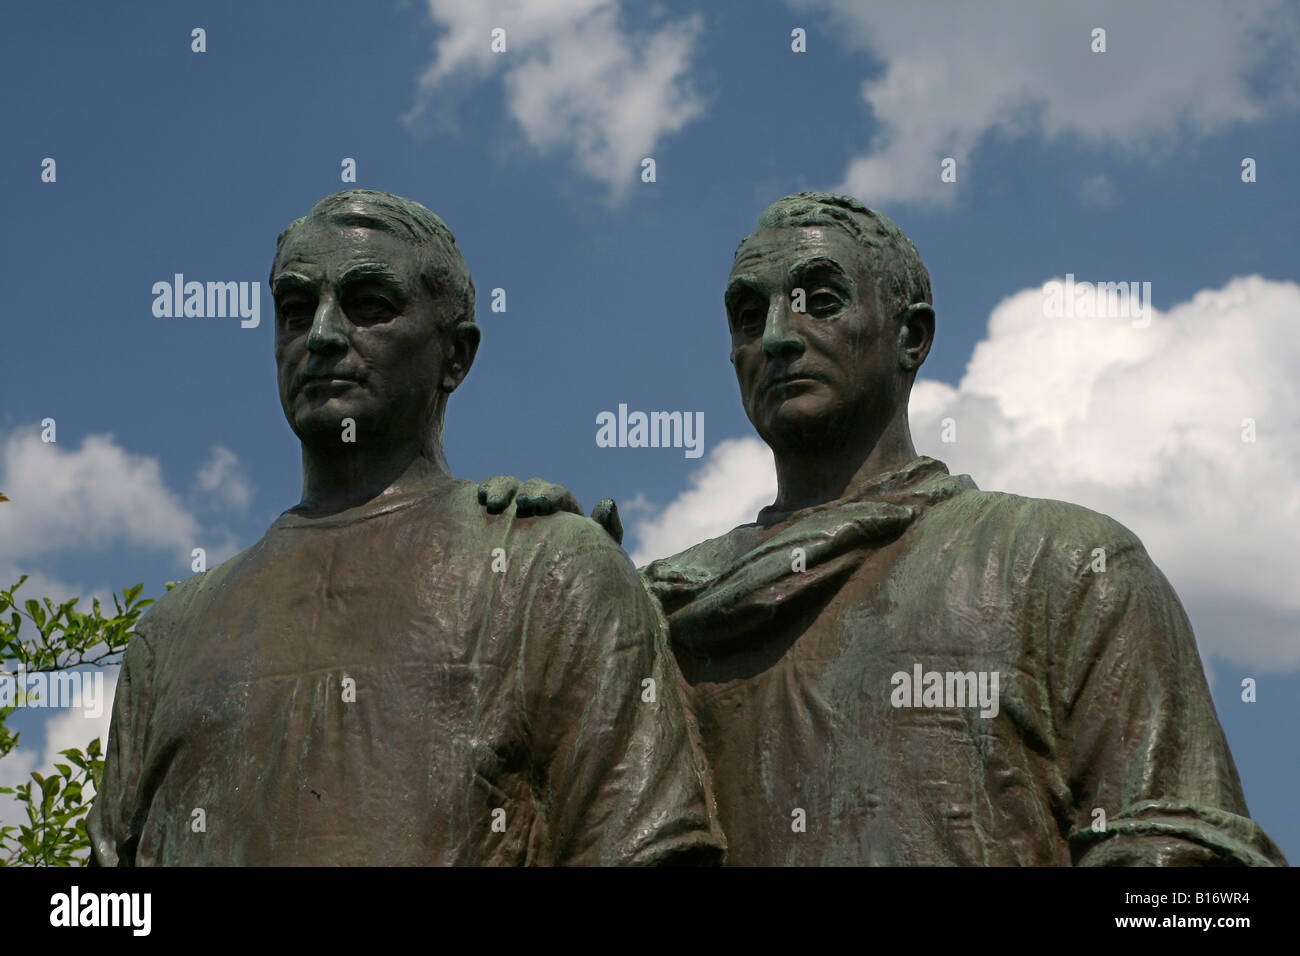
x=537 y=496
x=529 y=499
x=496 y=493
x=605 y=514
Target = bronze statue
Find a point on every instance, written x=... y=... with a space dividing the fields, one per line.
x=891 y=666
x=392 y=676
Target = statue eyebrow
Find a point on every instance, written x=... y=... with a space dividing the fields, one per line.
x=819 y=264
x=289 y=280
x=286 y=281
x=738 y=286
x=371 y=270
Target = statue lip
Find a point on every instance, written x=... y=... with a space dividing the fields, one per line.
x=791 y=377
x=327 y=378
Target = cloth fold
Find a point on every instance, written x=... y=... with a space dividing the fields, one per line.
x=791 y=562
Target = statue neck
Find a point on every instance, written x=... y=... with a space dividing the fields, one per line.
x=343 y=475
x=812 y=475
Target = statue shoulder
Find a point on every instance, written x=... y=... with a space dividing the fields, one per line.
x=548 y=541
x=1038 y=520
x=572 y=539
x=170 y=610
x=1056 y=545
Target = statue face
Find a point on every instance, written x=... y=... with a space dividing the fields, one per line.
x=831 y=371
x=358 y=335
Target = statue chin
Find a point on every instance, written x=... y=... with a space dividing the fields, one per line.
x=794 y=429
x=322 y=425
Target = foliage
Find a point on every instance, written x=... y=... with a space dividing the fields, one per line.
x=62 y=638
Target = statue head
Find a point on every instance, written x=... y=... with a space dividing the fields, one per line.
x=374 y=319
x=830 y=313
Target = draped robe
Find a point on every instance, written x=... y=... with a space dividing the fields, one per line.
x=1105 y=747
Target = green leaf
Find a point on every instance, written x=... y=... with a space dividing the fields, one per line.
x=50 y=790
x=35 y=613
x=75 y=757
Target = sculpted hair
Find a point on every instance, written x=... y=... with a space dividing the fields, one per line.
x=443 y=272
x=901 y=277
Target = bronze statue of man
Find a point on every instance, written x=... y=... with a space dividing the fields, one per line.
x=391 y=676
x=891 y=666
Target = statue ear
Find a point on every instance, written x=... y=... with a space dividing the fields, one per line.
x=915 y=335
x=464 y=339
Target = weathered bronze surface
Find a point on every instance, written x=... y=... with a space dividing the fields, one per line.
x=842 y=650
x=391 y=675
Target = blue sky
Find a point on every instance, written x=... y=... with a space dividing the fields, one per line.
x=1123 y=165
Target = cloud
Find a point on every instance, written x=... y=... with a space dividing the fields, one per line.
x=101 y=496
x=1142 y=424
x=1098 y=190
x=1017 y=67
x=222 y=478
x=575 y=78
x=91 y=497
x=64 y=729
x=736 y=479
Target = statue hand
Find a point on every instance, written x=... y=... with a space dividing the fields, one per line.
x=539 y=497
x=536 y=496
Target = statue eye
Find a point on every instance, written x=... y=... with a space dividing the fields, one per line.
x=824 y=303
x=296 y=310
x=749 y=320
x=371 y=307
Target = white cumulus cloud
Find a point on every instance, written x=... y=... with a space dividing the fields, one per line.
x=736 y=479
x=1017 y=67
x=222 y=478
x=85 y=498
x=98 y=497
x=575 y=77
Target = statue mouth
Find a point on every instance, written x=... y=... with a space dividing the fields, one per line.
x=792 y=378
x=331 y=382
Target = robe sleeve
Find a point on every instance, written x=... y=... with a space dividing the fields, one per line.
x=115 y=820
x=1142 y=742
x=619 y=776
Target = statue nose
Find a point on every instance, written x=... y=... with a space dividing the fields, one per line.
x=781 y=333
x=328 y=329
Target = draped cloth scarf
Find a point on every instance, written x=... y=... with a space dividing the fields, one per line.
x=809 y=557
